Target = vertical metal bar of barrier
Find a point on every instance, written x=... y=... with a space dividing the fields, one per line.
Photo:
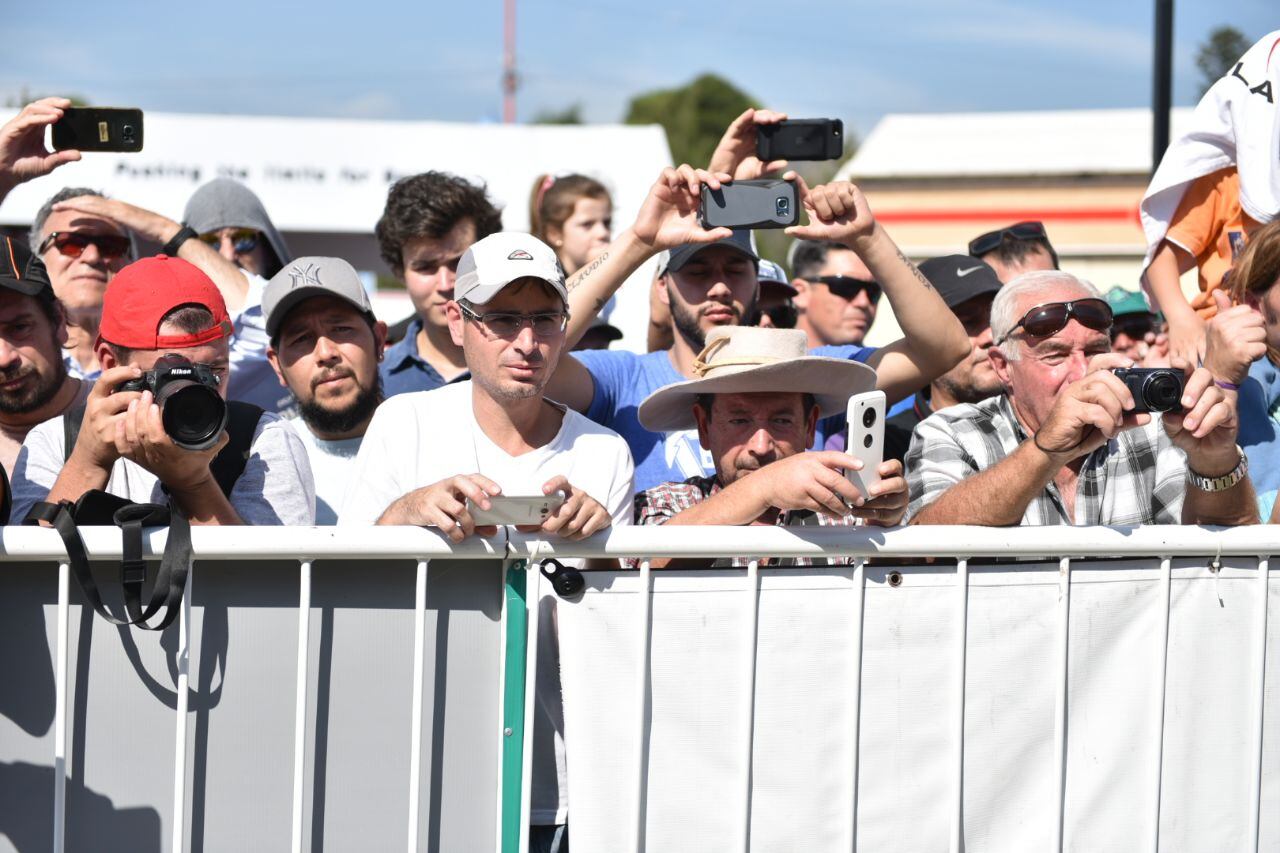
x=957 y=689
x=60 y=712
x=1060 y=701
x=1259 y=697
x=1157 y=706
x=858 y=581
x=180 y=729
x=642 y=702
x=751 y=632
x=300 y=706
x=415 y=715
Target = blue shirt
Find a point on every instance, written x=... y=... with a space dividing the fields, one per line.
x=624 y=379
x=403 y=370
x=1259 y=412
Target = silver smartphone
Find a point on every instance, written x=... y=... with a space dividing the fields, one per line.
x=515 y=509
x=865 y=439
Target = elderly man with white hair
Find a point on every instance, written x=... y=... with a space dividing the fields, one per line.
x=1063 y=444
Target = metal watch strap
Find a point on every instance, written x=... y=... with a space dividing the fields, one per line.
x=175 y=243
x=1223 y=482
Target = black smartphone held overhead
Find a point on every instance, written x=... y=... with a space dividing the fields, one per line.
x=98 y=129
x=771 y=203
x=801 y=139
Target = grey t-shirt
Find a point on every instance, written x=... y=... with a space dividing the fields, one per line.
x=275 y=488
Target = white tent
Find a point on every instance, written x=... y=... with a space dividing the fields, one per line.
x=324 y=181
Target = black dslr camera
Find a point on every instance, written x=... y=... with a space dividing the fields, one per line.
x=1154 y=389
x=193 y=413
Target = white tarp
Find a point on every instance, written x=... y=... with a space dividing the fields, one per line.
x=332 y=175
x=803 y=770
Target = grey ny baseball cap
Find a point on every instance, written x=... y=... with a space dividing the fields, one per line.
x=499 y=259
x=741 y=240
x=311 y=276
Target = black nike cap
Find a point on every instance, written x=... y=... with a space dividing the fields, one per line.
x=959 y=278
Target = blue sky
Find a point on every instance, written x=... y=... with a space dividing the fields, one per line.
x=379 y=59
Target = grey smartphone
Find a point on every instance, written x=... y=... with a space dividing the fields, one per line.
x=98 y=129
x=801 y=139
x=516 y=509
x=770 y=203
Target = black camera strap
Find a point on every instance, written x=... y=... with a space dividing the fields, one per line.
x=171 y=579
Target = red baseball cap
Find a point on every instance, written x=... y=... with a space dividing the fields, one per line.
x=143 y=292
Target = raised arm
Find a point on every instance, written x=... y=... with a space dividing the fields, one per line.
x=228 y=278
x=23 y=155
x=933 y=339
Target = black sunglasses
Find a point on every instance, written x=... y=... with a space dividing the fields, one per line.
x=847 y=287
x=1045 y=320
x=73 y=243
x=1136 y=326
x=990 y=241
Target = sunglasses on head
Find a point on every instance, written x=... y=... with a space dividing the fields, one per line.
x=1045 y=320
x=990 y=241
x=73 y=243
x=847 y=287
x=243 y=240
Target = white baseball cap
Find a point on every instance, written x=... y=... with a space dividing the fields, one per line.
x=499 y=259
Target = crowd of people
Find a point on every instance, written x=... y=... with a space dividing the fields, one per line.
x=1009 y=401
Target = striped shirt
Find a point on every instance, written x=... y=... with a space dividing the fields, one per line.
x=1138 y=477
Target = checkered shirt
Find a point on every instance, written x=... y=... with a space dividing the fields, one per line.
x=1138 y=477
x=662 y=503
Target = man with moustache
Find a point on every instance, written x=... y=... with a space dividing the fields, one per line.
x=967 y=285
x=325 y=348
x=34 y=385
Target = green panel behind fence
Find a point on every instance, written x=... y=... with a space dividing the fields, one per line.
x=513 y=704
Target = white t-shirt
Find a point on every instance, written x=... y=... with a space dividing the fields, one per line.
x=332 y=464
x=421 y=438
x=275 y=488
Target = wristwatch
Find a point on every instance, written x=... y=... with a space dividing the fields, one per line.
x=184 y=234
x=1224 y=482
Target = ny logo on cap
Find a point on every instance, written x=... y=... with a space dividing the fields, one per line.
x=519 y=255
x=304 y=276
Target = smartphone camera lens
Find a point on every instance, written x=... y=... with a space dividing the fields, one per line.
x=783 y=206
x=127 y=131
x=868 y=418
x=866 y=441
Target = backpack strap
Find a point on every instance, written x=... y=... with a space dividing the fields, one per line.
x=72 y=418
x=228 y=465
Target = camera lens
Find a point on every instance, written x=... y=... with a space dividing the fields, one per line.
x=193 y=414
x=783 y=205
x=867 y=441
x=1161 y=392
x=127 y=130
x=868 y=417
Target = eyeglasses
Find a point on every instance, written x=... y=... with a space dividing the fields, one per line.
x=1136 y=326
x=73 y=243
x=506 y=324
x=847 y=287
x=1045 y=320
x=990 y=241
x=243 y=240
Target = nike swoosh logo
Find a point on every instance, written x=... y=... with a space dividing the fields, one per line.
x=963 y=273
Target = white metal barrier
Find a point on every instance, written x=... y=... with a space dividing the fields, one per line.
x=629 y=744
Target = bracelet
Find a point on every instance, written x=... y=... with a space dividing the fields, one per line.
x=1228 y=386
x=185 y=233
x=1222 y=482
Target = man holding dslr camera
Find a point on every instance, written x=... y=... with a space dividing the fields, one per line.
x=1072 y=440
x=165 y=327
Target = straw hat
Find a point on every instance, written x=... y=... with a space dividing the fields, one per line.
x=751 y=360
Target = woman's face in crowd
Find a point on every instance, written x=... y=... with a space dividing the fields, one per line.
x=584 y=234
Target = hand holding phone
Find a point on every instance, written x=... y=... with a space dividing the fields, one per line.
x=865 y=439
x=98 y=129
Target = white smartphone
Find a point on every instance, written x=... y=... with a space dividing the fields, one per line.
x=515 y=509
x=865 y=439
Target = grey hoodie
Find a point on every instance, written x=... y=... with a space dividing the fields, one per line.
x=224 y=203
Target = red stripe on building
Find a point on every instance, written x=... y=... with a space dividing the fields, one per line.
x=1010 y=215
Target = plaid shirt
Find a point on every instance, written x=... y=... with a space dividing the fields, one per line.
x=1138 y=477
x=662 y=503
